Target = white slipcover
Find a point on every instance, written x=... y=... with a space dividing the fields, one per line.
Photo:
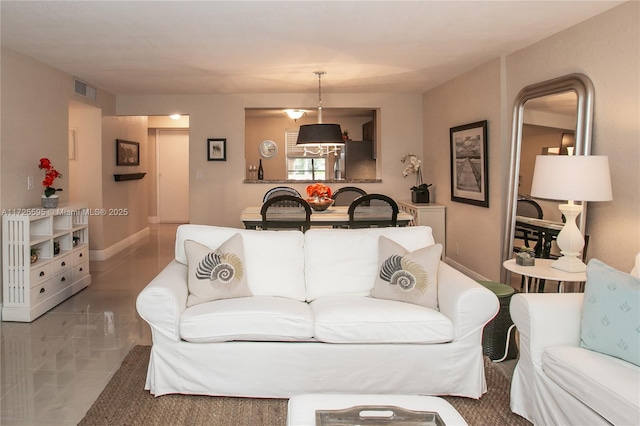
x=556 y=382
x=283 y=365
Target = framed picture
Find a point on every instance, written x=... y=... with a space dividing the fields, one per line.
x=216 y=149
x=469 y=164
x=127 y=153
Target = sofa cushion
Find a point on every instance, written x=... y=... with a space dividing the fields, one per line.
x=405 y=276
x=357 y=319
x=257 y=318
x=345 y=261
x=274 y=259
x=216 y=274
x=606 y=384
x=611 y=312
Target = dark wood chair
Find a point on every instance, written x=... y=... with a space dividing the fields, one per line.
x=281 y=190
x=373 y=211
x=347 y=195
x=526 y=207
x=286 y=212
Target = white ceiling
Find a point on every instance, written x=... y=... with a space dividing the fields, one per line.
x=188 y=47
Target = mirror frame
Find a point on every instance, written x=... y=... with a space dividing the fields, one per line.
x=582 y=86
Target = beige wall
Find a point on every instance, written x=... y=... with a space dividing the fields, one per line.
x=38 y=107
x=85 y=172
x=472 y=232
x=219 y=197
x=130 y=195
x=605 y=48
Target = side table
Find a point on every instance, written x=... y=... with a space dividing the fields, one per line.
x=542 y=270
x=497 y=343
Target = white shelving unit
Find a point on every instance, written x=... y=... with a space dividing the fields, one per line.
x=60 y=236
x=432 y=215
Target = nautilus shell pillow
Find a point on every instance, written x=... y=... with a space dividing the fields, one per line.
x=216 y=274
x=404 y=276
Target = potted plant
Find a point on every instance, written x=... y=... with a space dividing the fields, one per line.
x=419 y=192
x=49 y=198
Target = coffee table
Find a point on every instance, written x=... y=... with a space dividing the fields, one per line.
x=302 y=408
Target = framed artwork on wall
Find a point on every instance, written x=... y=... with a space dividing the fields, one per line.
x=127 y=153
x=469 y=164
x=216 y=149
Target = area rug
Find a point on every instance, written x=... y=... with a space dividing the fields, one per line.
x=125 y=402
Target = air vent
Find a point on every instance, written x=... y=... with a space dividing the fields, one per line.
x=83 y=89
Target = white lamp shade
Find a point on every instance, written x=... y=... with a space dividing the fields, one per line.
x=572 y=177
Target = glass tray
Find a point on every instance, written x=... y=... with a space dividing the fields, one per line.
x=377 y=415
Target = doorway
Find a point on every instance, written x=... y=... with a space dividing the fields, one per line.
x=173 y=175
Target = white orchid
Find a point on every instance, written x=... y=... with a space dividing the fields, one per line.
x=414 y=166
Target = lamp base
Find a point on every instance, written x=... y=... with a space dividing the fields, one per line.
x=570 y=241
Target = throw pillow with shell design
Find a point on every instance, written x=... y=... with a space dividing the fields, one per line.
x=404 y=276
x=216 y=274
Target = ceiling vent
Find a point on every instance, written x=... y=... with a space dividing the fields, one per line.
x=83 y=89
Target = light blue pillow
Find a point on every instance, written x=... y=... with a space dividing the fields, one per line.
x=611 y=313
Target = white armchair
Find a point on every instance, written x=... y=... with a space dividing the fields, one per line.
x=558 y=382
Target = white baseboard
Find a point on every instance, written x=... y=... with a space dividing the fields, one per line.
x=119 y=246
x=154 y=219
x=468 y=272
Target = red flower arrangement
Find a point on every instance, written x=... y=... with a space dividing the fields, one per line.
x=319 y=190
x=50 y=176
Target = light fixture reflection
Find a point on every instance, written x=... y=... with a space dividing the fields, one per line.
x=294 y=114
x=175 y=116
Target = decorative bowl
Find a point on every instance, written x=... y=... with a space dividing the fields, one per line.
x=320 y=205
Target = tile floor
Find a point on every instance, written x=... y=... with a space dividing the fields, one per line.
x=53 y=369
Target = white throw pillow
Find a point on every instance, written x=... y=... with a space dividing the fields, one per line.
x=405 y=276
x=216 y=274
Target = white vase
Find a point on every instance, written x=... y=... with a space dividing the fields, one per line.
x=50 y=202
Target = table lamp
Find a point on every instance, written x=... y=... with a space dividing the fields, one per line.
x=571 y=178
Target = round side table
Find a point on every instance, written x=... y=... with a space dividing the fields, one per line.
x=542 y=270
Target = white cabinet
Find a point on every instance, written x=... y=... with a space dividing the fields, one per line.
x=429 y=215
x=60 y=238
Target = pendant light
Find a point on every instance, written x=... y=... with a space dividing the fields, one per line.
x=321 y=136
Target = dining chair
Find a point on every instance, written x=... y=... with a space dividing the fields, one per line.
x=345 y=196
x=281 y=190
x=373 y=211
x=527 y=207
x=286 y=212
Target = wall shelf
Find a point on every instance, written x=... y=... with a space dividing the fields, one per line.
x=128 y=176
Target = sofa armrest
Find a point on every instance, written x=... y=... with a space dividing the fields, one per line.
x=546 y=319
x=164 y=299
x=466 y=303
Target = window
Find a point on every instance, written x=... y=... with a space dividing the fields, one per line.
x=301 y=166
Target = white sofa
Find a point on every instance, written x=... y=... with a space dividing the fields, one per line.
x=558 y=382
x=310 y=325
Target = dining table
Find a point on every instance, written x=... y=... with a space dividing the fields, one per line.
x=545 y=232
x=333 y=216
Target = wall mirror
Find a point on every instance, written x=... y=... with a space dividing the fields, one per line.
x=554 y=117
x=354 y=162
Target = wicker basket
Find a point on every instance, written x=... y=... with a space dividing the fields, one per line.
x=494 y=338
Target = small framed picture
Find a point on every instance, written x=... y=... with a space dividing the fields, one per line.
x=127 y=153
x=216 y=149
x=469 y=164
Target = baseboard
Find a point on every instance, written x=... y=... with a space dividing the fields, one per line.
x=98 y=255
x=468 y=272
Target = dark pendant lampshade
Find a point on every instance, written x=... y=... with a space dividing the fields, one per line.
x=320 y=134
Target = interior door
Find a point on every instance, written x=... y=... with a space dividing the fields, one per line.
x=173 y=176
